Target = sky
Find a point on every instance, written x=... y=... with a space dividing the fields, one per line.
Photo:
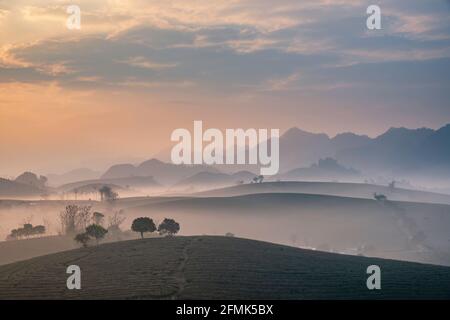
x=114 y=90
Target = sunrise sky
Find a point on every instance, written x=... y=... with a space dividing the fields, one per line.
x=115 y=90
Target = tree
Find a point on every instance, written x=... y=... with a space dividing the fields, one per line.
x=114 y=222
x=96 y=231
x=106 y=193
x=83 y=239
x=379 y=197
x=392 y=186
x=74 y=219
x=258 y=179
x=37 y=230
x=68 y=219
x=97 y=217
x=27 y=231
x=116 y=219
x=83 y=217
x=168 y=226
x=142 y=225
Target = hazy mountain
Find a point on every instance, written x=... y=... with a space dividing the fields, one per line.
x=399 y=151
x=165 y=173
x=13 y=189
x=402 y=151
x=299 y=148
x=127 y=182
x=326 y=169
x=72 y=176
x=349 y=140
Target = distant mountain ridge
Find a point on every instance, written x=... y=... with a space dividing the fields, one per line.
x=9 y=188
x=403 y=151
x=398 y=151
x=326 y=169
x=164 y=173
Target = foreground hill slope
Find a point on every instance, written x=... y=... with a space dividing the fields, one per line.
x=12 y=251
x=216 y=268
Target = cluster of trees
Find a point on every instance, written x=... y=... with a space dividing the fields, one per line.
x=86 y=225
x=145 y=224
x=141 y=225
x=107 y=193
x=258 y=179
x=27 y=231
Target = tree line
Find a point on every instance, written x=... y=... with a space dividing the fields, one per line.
x=27 y=231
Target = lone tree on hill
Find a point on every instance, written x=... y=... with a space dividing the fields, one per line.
x=169 y=227
x=142 y=225
x=96 y=231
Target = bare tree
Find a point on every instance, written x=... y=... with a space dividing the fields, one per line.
x=74 y=218
x=84 y=217
x=116 y=219
x=68 y=219
x=97 y=218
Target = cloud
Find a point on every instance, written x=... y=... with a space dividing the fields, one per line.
x=142 y=62
x=221 y=46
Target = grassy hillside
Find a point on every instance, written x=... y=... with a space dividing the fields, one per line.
x=354 y=190
x=216 y=268
x=395 y=230
x=11 y=251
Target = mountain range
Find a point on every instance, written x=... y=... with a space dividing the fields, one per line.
x=420 y=155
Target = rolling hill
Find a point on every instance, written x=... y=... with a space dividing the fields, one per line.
x=354 y=190
x=208 y=180
x=388 y=229
x=205 y=267
x=125 y=183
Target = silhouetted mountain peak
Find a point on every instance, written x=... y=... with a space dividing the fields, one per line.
x=295 y=132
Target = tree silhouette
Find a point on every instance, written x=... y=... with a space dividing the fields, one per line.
x=143 y=224
x=106 y=193
x=96 y=231
x=379 y=197
x=169 y=227
x=83 y=239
